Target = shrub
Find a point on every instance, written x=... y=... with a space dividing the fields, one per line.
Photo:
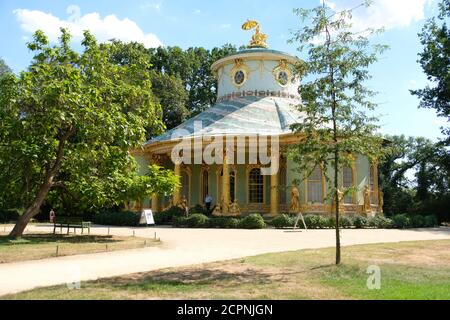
x=198 y=209
x=417 y=221
x=430 y=221
x=401 y=221
x=7 y=215
x=197 y=220
x=283 y=221
x=224 y=222
x=253 y=221
x=117 y=218
x=359 y=222
x=380 y=222
x=345 y=222
x=167 y=216
x=315 y=221
x=179 y=222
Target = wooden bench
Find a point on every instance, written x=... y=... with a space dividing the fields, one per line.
x=71 y=222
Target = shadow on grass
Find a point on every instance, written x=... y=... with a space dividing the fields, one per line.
x=48 y=238
x=186 y=279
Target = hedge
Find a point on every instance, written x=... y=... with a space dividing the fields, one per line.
x=8 y=215
x=118 y=218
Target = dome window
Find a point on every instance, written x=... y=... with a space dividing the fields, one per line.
x=239 y=77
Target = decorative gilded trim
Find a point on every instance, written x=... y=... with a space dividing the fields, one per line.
x=239 y=65
x=258 y=93
x=282 y=67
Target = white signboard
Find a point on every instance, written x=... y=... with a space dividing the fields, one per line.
x=147 y=217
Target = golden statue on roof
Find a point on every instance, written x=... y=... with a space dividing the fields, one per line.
x=258 y=39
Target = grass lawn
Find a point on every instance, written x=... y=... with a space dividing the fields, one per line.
x=43 y=245
x=409 y=270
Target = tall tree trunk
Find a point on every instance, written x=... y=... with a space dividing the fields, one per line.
x=336 y=146
x=45 y=187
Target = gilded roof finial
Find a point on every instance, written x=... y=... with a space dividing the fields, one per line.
x=258 y=39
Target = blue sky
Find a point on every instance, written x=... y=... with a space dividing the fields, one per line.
x=214 y=23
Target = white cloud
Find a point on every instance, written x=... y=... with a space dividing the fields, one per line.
x=104 y=29
x=389 y=14
x=225 y=26
x=197 y=11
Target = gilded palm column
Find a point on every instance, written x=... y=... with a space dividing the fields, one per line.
x=225 y=184
x=274 y=192
x=176 y=192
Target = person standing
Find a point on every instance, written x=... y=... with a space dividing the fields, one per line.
x=208 y=201
x=52 y=216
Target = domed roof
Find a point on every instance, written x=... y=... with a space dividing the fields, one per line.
x=239 y=117
x=257 y=95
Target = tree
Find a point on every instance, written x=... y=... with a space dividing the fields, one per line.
x=172 y=96
x=69 y=123
x=415 y=177
x=336 y=126
x=405 y=155
x=4 y=69
x=193 y=67
x=182 y=79
x=435 y=62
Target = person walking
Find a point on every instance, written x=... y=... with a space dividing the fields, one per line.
x=52 y=216
x=208 y=201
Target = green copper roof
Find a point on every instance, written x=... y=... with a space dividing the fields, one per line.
x=240 y=116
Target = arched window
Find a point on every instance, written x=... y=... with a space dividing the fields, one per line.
x=314 y=185
x=185 y=184
x=205 y=184
x=282 y=185
x=347 y=177
x=255 y=186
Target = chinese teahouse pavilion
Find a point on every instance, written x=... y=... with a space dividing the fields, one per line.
x=235 y=150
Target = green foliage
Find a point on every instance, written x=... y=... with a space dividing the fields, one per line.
x=428 y=192
x=117 y=218
x=4 y=69
x=224 y=223
x=283 y=221
x=401 y=221
x=335 y=100
x=69 y=123
x=360 y=222
x=316 y=221
x=182 y=79
x=430 y=221
x=417 y=221
x=167 y=216
x=253 y=221
x=197 y=220
x=380 y=222
x=346 y=222
x=8 y=215
x=435 y=62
